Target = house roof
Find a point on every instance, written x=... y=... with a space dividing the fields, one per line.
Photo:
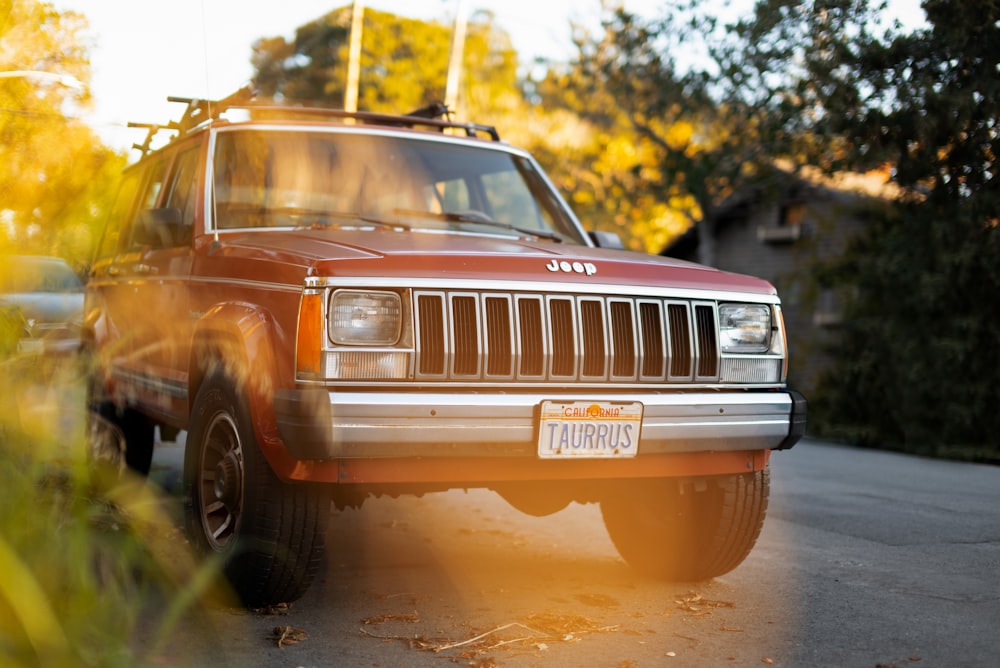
x=805 y=184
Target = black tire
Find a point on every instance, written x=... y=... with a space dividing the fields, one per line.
x=684 y=531
x=270 y=533
x=139 y=433
x=120 y=437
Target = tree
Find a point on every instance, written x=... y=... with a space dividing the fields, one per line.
x=676 y=86
x=919 y=365
x=589 y=149
x=404 y=63
x=55 y=175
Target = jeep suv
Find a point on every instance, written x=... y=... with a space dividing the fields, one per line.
x=336 y=305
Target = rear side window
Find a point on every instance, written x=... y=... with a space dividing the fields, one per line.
x=148 y=197
x=182 y=193
x=119 y=215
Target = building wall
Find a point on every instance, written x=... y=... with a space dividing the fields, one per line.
x=782 y=242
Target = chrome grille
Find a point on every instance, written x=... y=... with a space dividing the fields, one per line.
x=506 y=336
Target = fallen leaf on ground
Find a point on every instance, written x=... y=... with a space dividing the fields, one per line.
x=272 y=610
x=408 y=617
x=701 y=606
x=287 y=635
x=558 y=625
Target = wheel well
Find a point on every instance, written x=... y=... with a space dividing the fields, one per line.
x=210 y=349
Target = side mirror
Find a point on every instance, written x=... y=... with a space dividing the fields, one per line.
x=159 y=228
x=606 y=240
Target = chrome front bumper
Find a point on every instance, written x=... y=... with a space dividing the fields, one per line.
x=318 y=425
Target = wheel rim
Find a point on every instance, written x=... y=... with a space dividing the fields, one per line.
x=221 y=482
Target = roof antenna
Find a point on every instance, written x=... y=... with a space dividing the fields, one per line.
x=204 y=49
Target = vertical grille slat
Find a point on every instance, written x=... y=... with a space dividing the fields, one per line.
x=465 y=335
x=592 y=338
x=679 y=325
x=499 y=351
x=708 y=350
x=500 y=336
x=654 y=355
x=563 y=338
x=623 y=336
x=532 y=343
x=430 y=323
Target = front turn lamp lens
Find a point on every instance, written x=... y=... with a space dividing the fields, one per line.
x=365 y=318
x=745 y=328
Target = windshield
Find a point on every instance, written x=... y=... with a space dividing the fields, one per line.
x=293 y=178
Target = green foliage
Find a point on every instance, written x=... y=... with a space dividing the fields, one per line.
x=56 y=178
x=919 y=366
x=88 y=561
x=676 y=87
x=84 y=556
x=404 y=63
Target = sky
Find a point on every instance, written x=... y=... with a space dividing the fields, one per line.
x=145 y=50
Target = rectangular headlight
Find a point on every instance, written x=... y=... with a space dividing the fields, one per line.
x=745 y=328
x=359 y=317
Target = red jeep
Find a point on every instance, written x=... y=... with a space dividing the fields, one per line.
x=335 y=305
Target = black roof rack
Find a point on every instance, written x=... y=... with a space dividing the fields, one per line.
x=199 y=111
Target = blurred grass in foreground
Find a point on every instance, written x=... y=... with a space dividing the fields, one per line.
x=93 y=572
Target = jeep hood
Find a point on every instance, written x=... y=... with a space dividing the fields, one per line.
x=477 y=257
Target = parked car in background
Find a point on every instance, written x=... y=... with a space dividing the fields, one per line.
x=42 y=298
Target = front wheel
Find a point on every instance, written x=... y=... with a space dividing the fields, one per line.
x=270 y=533
x=686 y=530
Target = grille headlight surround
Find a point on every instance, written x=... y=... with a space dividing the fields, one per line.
x=365 y=317
x=745 y=328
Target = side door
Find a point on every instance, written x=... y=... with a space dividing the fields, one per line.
x=156 y=262
x=109 y=304
x=113 y=311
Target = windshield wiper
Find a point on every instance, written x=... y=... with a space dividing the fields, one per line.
x=321 y=217
x=480 y=218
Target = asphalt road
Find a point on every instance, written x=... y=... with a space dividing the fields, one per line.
x=866 y=559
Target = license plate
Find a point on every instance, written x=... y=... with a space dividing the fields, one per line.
x=589 y=429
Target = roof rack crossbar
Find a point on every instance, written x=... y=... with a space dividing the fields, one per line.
x=198 y=111
x=152 y=129
x=375 y=118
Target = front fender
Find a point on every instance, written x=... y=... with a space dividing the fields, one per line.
x=247 y=342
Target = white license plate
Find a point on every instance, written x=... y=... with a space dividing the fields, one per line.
x=589 y=429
